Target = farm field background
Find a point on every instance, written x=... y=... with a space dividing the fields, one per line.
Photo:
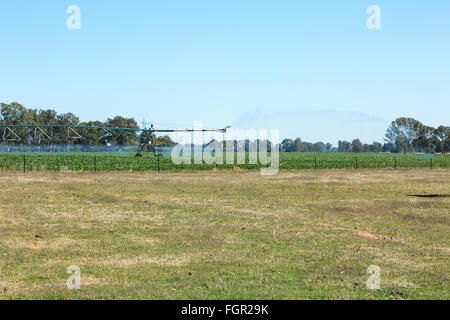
x=288 y=161
x=225 y=234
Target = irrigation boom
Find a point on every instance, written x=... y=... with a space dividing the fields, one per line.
x=39 y=133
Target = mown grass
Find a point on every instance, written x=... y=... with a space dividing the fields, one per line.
x=225 y=234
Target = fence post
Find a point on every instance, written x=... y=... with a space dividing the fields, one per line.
x=159 y=167
x=395 y=163
x=24 y=164
x=431 y=163
x=315 y=162
x=356 y=163
x=95 y=164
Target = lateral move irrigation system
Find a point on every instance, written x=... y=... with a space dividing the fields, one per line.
x=93 y=158
x=39 y=133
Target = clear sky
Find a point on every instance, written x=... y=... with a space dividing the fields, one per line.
x=309 y=68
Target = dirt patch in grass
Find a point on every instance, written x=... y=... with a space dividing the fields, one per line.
x=36 y=243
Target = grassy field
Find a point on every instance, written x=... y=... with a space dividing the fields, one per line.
x=225 y=234
x=107 y=162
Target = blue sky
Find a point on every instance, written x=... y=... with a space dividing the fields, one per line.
x=309 y=68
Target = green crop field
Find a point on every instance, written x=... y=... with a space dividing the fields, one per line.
x=105 y=162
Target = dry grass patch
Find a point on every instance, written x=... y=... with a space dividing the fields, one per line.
x=225 y=234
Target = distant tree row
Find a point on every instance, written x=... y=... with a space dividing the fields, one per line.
x=16 y=114
x=297 y=145
x=403 y=135
x=357 y=146
x=410 y=135
x=240 y=145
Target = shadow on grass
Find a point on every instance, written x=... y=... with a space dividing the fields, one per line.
x=430 y=195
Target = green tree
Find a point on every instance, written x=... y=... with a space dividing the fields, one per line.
x=168 y=142
x=122 y=138
x=298 y=145
x=287 y=145
x=90 y=136
x=357 y=146
x=16 y=114
x=404 y=133
x=442 y=134
x=376 y=147
x=318 y=147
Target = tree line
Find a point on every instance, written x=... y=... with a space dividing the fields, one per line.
x=17 y=114
x=403 y=135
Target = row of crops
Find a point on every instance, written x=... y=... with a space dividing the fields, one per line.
x=104 y=162
x=362 y=161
